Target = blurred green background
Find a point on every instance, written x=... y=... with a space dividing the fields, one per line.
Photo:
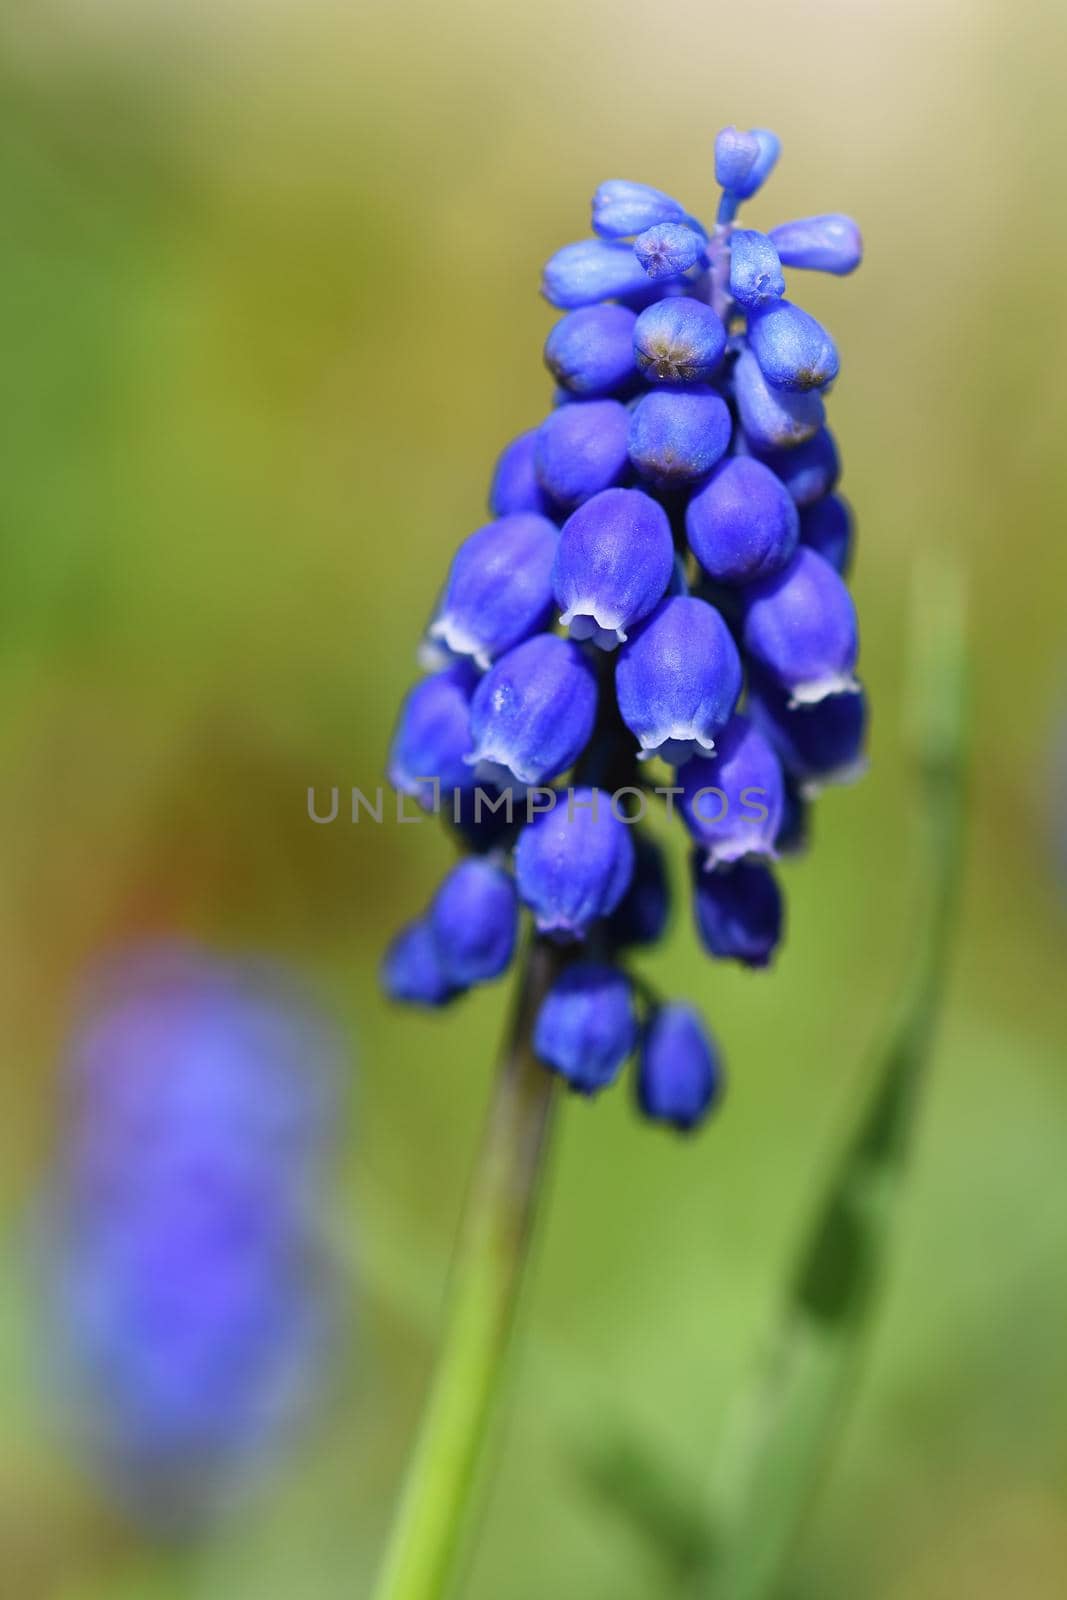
x=268 y=309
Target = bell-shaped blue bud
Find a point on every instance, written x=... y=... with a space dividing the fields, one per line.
x=742 y=525
x=817 y=744
x=831 y=243
x=614 y=562
x=680 y=1077
x=532 y=714
x=641 y=916
x=669 y=249
x=800 y=627
x=592 y=270
x=810 y=470
x=432 y=738
x=767 y=154
x=499 y=588
x=794 y=351
x=622 y=209
x=677 y=434
x=773 y=419
x=474 y=920
x=732 y=804
x=736 y=153
x=591 y=351
x=574 y=863
x=581 y=449
x=826 y=527
x=755 y=270
x=738 y=912
x=587 y=1026
x=678 y=679
x=679 y=341
x=412 y=973
x=515 y=485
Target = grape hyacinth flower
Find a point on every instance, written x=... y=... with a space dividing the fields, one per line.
x=677 y=715
x=473 y=922
x=574 y=864
x=433 y=736
x=826 y=526
x=582 y=449
x=742 y=525
x=732 y=803
x=500 y=588
x=532 y=715
x=183 y=1243
x=614 y=561
x=800 y=627
x=587 y=1025
x=680 y=1076
x=678 y=434
x=738 y=911
x=691 y=644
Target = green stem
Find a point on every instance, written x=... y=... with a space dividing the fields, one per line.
x=487 y=1273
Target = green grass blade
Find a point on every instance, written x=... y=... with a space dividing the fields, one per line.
x=784 y=1427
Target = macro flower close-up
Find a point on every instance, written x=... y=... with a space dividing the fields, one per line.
x=532 y=670
x=657 y=527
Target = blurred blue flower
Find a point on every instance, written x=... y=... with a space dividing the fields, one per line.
x=188 y=1286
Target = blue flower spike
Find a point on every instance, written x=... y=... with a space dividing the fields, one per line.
x=658 y=619
x=189 y=1286
x=587 y=1026
x=680 y=1077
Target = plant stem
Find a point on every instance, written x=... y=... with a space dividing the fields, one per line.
x=487 y=1274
